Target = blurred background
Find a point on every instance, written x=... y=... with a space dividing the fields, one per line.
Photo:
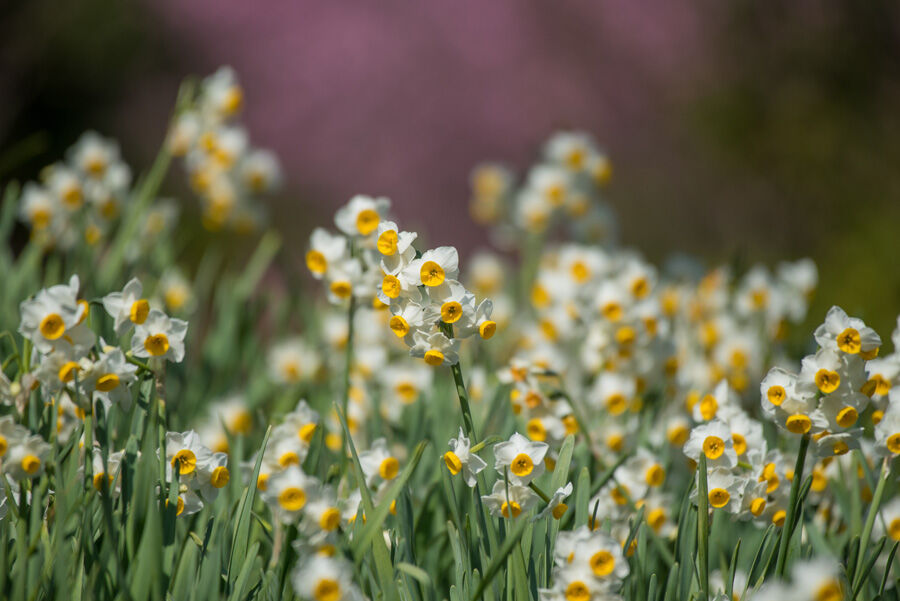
x=738 y=130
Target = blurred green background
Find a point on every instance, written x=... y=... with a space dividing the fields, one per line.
x=740 y=131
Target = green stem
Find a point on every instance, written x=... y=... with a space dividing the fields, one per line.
x=348 y=360
x=540 y=493
x=870 y=521
x=793 y=511
x=468 y=422
x=703 y=528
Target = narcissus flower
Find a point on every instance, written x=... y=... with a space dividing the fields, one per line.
x=378 y=463
x=324 y=578
x=128 y=308
x=509 y=500
x=361 y=216
x=460 y=460
x=521 y=458
x=160 y=337
x=847 y=334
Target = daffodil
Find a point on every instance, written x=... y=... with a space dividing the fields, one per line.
x=521 y=458
x=159 y=337
x=460 y=460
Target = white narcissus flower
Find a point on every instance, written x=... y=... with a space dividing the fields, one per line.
x=66 y=185
x=292 y=360
x=379 y=463
x=847 y=334
x=570 y=149
x=26 y=457
x=459 y=459
x=520 y=499
x=361 y=216
x=93 y=155
x=325 y=249
x=160 y=337
x=435 y=348
x=323 y=578
x=38 y=207
x=288 y=492
x=887 y=431
x=221 y=95
x=556 y=507
x=127 y=308
x=434 y=267
x=451 y=303
x=818 y=579
x=723 y=489
x=110 y=377
x=714 y=440
x=395 y=247
x=523 y=458
x=53 y=315
x=260 y=171
x=186 y=454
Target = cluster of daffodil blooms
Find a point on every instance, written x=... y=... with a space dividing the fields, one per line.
x=80 y=201
x=654 y=432
x=374 y=261
x=226 y=172
x=72 y=370
x=565 y=188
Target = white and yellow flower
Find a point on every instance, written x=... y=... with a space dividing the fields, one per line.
x=521 y=458
x=460 y=460
x=160 y=337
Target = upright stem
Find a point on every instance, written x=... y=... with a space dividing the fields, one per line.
x=468 y=422
x=870 y=521
x=703 y=528
x=348 y=360
x=788 y=529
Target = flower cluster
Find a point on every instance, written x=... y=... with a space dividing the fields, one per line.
x=226 y=172
x=587 y=565
x=372 y=260
x=198 y=472
x=568 y=183
x=79 y=199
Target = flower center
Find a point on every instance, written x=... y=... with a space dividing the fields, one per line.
x=776 y=394
x=391 y=287
x=107 y=382
x=577 y=591
x=387 y=243
x=220 y=477
x=602 y=563
x=367 y=221
x=798 y=424
x=521 y=465
x=157 y=344
x=316 y=262
x=139 y=311
x=827 y=380
x=451 y=460
x=185 y=461
x=292 y=498
x=719 y=497
x=434 y=358
x=432 y=274
x=713 y=447
x=52 y=326
x=330 y=519
x=31 y=464
x=849 y=341
x=389 y=468
x=847 y=416
x=399 y=326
